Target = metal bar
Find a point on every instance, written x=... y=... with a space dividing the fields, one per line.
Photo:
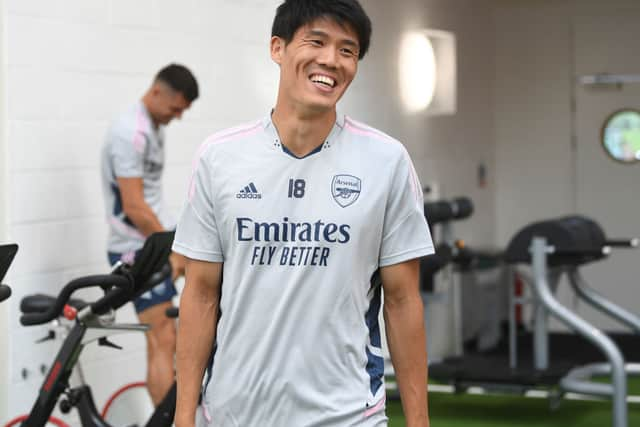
x=608 y=79
x=541 y=322
x=600 y=302
x=513 y=343
x=578 y=380
x=594 y=335
x=455 y=289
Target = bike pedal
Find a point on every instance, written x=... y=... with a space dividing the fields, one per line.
x=105 y=342
x=65 y=406
x=50 y=336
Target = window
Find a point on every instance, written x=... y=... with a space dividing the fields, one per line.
x=621 y=135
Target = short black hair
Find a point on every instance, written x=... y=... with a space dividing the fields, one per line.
x=180 y=79
x=293 y=14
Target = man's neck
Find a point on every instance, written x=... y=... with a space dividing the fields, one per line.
x=301 y=133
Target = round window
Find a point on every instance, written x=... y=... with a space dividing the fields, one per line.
x=621 y=136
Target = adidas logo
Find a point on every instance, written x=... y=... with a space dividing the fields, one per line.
x=249 y=192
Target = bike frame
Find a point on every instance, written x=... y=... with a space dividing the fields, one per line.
x=57 y=379
x=56 y=383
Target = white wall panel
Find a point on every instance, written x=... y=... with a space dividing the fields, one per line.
x=141 y=13
x=56 y=245
x=55 y=195
x=32 y=7
x=30 y=95
x=533 y=114
x=55 y=145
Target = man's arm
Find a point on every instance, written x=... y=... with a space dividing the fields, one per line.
x=145 y=220
x=136 y=208
x=199 y=306
x=404 y=321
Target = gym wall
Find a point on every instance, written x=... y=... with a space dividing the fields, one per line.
x=73 y=64
x=548 y=159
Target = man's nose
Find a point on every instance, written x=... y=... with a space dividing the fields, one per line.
x=328 y=57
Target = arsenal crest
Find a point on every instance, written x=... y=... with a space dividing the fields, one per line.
x=345 y=189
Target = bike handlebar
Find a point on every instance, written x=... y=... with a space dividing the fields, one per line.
x=5 y=292
x=105 y=281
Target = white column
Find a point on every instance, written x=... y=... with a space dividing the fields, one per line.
x=4 y=166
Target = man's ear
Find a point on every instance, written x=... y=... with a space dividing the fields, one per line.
x=277 y=47
x=156 y=88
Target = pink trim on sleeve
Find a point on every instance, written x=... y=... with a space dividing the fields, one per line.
x=217 y=138
x=364 y=130
x=142 y=124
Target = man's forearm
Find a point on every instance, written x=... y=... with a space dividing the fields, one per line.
x=407 y=344
x=144 y=219
x=196 y=333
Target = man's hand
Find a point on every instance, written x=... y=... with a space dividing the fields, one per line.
x=177 y=262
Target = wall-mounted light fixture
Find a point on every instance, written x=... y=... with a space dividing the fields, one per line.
x=417 y=71
x=427 y=73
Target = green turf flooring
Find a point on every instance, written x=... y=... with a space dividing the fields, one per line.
x=449 y=410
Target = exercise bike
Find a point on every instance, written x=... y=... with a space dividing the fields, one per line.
x=7 y=253
x=90 y=324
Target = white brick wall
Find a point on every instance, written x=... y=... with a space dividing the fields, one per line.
x=73 y=64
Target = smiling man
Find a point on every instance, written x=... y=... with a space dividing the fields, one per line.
x=313 y=215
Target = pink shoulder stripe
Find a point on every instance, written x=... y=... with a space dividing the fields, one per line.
x=217 y=138
x=364 y=130
x=142 y=124
x=226 y=135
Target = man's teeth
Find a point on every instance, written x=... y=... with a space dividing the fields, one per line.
x=323 y=79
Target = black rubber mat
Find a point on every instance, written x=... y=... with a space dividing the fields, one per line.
x=566 y=352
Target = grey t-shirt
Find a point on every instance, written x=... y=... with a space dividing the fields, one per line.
x=133 y=149
x=298 y=341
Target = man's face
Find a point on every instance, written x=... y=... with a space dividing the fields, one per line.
x=168 y=104
x=317 y=65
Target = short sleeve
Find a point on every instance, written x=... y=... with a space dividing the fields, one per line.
x=127 y=154
x=405 y=233
x=197 y=235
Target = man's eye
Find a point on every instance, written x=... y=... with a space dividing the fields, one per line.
x=315 y=42
x=348 y=52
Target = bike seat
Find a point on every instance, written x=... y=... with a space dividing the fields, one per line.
x=40 y=303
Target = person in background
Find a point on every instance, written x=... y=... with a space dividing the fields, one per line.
x=133 y=159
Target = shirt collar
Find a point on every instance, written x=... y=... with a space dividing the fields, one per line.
x=274 y=138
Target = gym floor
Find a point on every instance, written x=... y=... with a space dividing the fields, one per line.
x=450 y=410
